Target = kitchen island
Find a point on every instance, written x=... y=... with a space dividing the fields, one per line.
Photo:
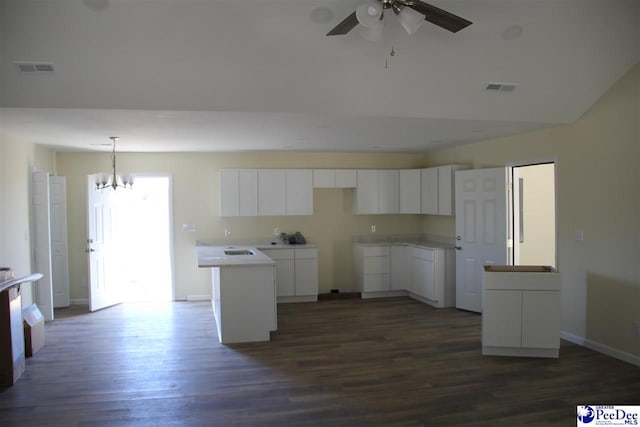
x=243 y=292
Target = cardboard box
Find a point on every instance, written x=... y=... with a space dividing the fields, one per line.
x=33 y=322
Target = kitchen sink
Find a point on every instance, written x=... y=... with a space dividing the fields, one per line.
x=238 y=252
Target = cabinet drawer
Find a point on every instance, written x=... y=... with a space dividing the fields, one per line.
x=376 y=251
x=376 y=282
x=306 y=253
x=278 y=253
x=376 y=264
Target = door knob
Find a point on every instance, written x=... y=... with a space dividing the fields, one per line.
x=458 y=248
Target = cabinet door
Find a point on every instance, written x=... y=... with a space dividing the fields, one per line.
x=324 y=178
x=299 y=192
x=445 y=190
x=229 y=192
x=388 y=191
x=502 y=318
x=367 y=192
x=346 y=178
x=400 y=268
x=285 y=271
x=541 y=319
x=271 y=192
x=422 y=273
x=410 y=191
x=306 y=276
x=429 y=190
x=248 y=192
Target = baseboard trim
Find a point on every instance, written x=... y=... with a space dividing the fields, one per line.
x=601 y=348
x=192 y=298
x=80 y=301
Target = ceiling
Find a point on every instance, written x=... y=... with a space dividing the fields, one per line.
x=232 y=75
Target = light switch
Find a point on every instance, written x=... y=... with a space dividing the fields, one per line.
x=578 y=235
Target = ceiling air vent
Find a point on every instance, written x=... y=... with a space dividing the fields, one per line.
x=34 y=67
x=501 y=87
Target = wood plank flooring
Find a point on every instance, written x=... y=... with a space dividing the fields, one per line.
x=392 y=362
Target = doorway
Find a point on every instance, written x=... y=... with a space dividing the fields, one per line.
x=533 y=214
x=143 y=240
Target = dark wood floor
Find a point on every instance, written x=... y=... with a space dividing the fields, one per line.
x=392 y=362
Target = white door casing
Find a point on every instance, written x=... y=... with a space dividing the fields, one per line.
x=104 y=291
x=481 y=230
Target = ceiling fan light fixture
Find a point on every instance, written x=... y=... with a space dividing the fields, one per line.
x=410 y=19
x=369 y=13
x=372 y=34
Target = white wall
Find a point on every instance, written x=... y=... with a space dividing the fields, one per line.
x=598 y=192
x=17 y=160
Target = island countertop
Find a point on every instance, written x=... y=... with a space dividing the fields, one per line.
x=215 y=256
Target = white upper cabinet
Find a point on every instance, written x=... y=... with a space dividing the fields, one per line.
x=324 y=178
x=238 y=192
x=366 y=197
x=299 y=192
x=446 y=188
x=334 y=178
x=272 y=194
x=429 y=191
x=388 y=191
x=410 y=191
x=437 y=189
x=346 y=178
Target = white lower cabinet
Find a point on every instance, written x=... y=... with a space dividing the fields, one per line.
x=521 y=313
x=296 y=273
x=424 y=273
x=306 y=275
x=400 y=268
x=372 y=266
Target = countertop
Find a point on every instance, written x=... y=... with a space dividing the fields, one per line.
x=214 y=256
x=417 y=244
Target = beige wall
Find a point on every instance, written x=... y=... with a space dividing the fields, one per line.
x=17 y=160
x=195 y=201
x=598 y=181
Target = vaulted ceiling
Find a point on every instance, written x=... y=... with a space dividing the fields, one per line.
x=226 y=75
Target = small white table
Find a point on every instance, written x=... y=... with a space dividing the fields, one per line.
x=521 y=313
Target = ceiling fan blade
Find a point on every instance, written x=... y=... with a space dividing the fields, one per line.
x=439 y=17
x=345 y=26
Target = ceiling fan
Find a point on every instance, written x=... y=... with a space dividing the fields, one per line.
x=411 y=14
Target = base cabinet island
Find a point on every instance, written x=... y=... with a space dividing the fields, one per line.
x=243 y=293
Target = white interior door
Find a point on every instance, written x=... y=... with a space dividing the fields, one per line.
x=481 y=230
x=59 y=258
x=42 y=242
x=104 y=288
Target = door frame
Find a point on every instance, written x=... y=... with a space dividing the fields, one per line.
x=510 y=201
x=171 y=225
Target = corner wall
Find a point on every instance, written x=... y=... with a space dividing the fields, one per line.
x=598 y=178
x=17 y=160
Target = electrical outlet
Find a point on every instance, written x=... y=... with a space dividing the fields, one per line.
x=636 y=328
x=373 y=228
x=227 y=232
x=276 y=231
x=190 y=228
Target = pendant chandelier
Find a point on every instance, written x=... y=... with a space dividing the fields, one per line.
x=114 y=181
